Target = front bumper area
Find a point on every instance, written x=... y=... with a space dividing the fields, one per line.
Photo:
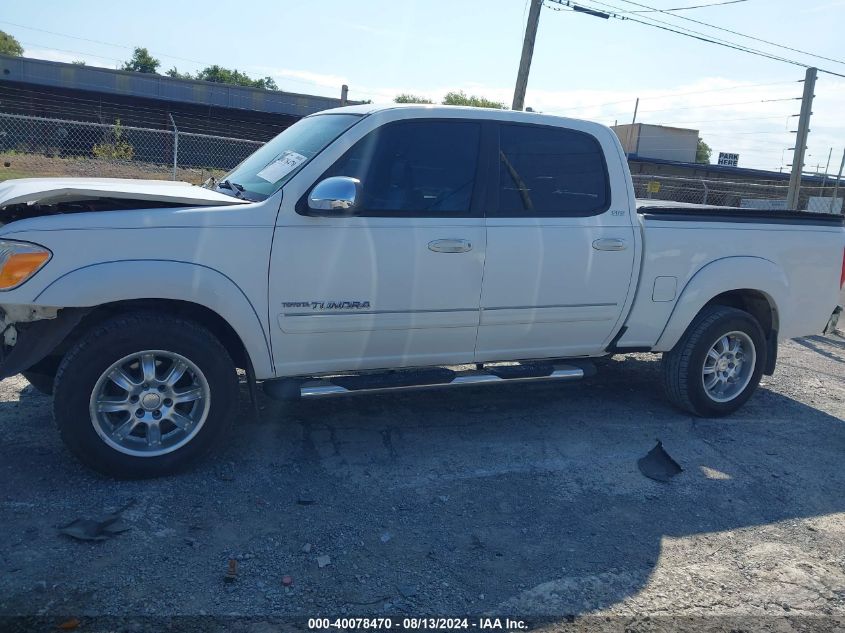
x=26 y=342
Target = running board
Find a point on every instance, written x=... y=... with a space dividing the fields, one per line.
x=407 y=380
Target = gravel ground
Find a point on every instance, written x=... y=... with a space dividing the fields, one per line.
x=522 y=499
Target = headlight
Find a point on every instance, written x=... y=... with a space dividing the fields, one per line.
x=19 y=261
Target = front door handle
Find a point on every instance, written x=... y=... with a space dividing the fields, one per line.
x=450 y=246
x=610 y=244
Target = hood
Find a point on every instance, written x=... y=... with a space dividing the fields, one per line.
x=53 y=191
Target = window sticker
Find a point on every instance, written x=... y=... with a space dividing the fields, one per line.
x=281 y=167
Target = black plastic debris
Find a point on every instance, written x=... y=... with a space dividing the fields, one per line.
x=91 y=530
x=658 y=464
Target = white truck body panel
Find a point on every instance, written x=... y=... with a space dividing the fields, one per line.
x=48 y=190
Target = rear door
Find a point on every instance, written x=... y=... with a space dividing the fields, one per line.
x=560 y=245
x=399 y=283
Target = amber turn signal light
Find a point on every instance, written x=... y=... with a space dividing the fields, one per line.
x=19 y=262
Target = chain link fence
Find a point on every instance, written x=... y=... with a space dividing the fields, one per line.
x=37 y=146
x=762 y=194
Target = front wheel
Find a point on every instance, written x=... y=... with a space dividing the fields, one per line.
x=716 y=366
x=144 y=395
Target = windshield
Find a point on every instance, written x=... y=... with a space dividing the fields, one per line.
x=269 y=168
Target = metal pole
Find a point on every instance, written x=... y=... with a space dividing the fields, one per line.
x=826 y=169
x=175 y=144
x=801 y=139
x=527 y=54
x=836 y=186
x=344 y=94
x=628 y=151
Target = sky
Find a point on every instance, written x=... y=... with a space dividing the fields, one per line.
x=583 y=66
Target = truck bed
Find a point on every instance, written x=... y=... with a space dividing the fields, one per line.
x=667 y=211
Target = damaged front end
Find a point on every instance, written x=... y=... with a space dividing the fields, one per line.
x=31 y=333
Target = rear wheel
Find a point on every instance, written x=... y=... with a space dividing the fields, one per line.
x=144 y=395
x=716 y=366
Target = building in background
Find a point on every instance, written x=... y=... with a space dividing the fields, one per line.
x=642 y=140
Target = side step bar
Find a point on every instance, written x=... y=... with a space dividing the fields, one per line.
x=407 y=380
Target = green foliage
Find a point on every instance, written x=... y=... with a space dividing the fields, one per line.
x=409 y=98
x=703 y=152
x=174 y=72
x=78 y=62
x=9 y=45
x=116 y=147
x=221 y=75
x=142 y=62
x=461 y=98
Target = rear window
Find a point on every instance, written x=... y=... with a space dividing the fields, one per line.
x=547 y=171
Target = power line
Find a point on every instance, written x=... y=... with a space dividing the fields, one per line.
x=697 y=6
x=750 y=37
x=677 y=94
x=674 y=28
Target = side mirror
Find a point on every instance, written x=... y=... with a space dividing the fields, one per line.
x=338 y=195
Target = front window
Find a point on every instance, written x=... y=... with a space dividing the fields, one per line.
x=417 y=168
x=269 y=168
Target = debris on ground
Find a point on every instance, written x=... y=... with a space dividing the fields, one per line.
x=307 y=548
x=323 y=561
x=69 y=625
x=658 y=464
x=92 y=530
x=287 y=581
x=386 y=537
x=231 y=571
x=305 y=498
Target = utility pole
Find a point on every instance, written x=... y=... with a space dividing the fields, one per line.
x=628 y=149
x=527 y=54
x=344 y=94
x=801 y=139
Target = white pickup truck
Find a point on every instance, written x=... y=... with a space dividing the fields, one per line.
x=379 y=248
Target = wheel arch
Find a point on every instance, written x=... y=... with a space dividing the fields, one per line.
x=191 y=291
x=753 y=284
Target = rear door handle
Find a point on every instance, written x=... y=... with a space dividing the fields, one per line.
x=450 y=246
x=610 y=244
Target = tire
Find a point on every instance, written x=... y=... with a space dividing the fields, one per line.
x=42 y=383
x=687 y=367
x=169 y=426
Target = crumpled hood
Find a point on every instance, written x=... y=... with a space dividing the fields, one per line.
x=55 y=190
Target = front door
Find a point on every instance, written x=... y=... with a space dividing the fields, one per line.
x=398 y=284
x=560 y=246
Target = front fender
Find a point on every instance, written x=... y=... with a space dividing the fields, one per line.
x=126 y=280
x=717 y=277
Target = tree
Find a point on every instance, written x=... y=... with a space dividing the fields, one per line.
x=219 y=74
x=703 y=152
x=9 y=45
x=78 y=62
x=409 y=98
x=142 y=62
x=174 y=72
x=461 y=98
